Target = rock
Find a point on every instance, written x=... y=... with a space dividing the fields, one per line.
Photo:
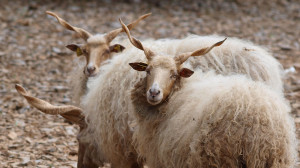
x=12 y=135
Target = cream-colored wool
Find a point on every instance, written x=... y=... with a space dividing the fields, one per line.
x=108 y=106
x=78 y=80
x=109 y=112
x=216 y=121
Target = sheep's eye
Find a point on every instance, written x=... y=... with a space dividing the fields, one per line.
x=84 y=51
x=106 y=52
x=148 y=71
x=174 y=76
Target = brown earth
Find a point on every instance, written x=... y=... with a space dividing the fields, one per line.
x=32 y=53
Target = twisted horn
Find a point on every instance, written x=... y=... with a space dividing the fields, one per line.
x=69 y=112
x=180 y=59
x=136 y=42
x=113 y=34
x=82 y=33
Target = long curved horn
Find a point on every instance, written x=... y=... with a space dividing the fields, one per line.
x=69 y=112
x=149 y=54
x=113 y=34
x=82 y=33
x=183 y=57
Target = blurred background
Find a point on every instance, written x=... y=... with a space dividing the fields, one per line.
x=33 y=54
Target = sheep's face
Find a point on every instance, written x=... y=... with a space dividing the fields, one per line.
x=162 y=72
x=96 y=51
x=97 y=48
x=161 y=75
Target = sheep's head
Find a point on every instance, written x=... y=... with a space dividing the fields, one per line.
x=74 y=115
x=162 y=71
x=97 y=48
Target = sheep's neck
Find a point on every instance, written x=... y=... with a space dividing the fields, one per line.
x=84 y=83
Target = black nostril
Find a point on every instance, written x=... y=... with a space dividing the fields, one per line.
x=154 y=92
x=91 y=69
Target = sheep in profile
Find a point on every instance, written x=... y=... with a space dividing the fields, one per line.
x=208 y=120
x=96 y=50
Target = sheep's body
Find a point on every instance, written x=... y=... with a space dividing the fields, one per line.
x=216 y=121
x=108 y=106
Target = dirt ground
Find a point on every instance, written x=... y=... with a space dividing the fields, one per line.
x=32 y=53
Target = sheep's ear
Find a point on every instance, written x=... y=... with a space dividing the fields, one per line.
x=184 y=72
x=116 y=48
x=76 y=48
x=139 y=66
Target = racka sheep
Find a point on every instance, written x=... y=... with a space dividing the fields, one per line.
x=208 y=120
x=96 y=51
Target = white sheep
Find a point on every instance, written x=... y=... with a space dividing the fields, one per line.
x=97 y=50
x=108 y=107
x=208 y=120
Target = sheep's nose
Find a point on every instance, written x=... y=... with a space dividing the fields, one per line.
x=154 y=92
x=91 y=69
